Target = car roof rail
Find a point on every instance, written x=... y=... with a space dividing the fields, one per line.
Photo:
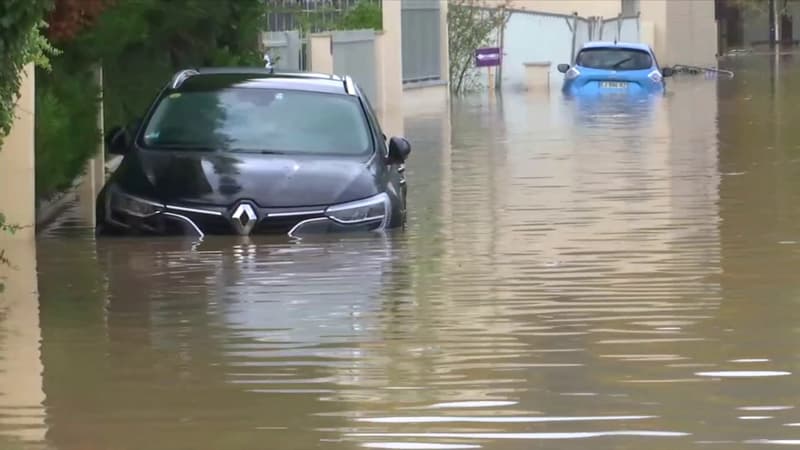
x=182 y=76
x=349 y=86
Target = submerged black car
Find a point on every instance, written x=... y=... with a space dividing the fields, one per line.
x=247 y=151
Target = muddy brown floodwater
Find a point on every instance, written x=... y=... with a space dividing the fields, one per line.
x=605 y=275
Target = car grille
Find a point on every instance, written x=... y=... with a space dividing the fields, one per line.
x=211 y=224
x=281 y=225
x=222 y=225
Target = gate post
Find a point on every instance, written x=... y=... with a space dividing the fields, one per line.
x=95 y=175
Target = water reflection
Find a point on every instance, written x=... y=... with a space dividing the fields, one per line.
x=614 y=112
x=22 y=417
x=573 y=275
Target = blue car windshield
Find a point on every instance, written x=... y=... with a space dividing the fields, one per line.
x=256 y=120
x=614 y=59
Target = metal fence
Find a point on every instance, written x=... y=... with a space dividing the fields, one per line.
x=311 y=16
x=354 y=55
x=421 y=40
x=622 y=28
x=285 y=48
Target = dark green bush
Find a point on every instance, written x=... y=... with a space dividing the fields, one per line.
x=66 y=126
x=366 y=14
x=141 y=44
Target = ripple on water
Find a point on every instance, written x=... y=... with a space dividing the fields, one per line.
x=567 y=267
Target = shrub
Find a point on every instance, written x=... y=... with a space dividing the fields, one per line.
x=365 y=15
x=66 y=127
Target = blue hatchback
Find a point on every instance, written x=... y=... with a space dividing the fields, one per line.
x=614 y=67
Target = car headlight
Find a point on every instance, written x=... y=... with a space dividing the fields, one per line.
x=362 y=211
x=132 y=205
x=572 y=73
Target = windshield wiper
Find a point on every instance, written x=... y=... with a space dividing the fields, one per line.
x=256 y=151
x=619 y=63
x=181 y=146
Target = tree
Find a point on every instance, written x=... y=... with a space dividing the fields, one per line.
x=69 y=17
x=762 y=6
x=470 y=27
x=140 y=44
x=20 y=43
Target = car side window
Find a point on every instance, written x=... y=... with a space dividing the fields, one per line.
x=655 y=60
x=373 y=119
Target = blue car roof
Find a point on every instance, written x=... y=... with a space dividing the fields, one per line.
x=607 y=44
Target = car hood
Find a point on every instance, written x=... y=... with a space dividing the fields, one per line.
x=213 y=178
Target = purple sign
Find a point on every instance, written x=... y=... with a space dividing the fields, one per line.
x=488 y=57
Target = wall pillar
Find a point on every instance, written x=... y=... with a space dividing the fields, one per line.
x=391 y=69
x=17 y=163
x=95 y=175
x=654 y=26
x=684 y=32
x=321 y=57
x=444 y=41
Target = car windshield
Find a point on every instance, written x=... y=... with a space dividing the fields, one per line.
x=259 y=121
x=614 y=59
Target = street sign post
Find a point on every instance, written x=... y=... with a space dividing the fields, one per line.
x=489 y=57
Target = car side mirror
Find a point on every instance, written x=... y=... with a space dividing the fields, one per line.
x=117 y=141
x=563 y=68
x=399 y=149
x=667 y=72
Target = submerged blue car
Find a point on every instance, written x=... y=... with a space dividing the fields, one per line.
x=614 y=67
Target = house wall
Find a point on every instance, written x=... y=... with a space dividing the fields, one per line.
x=683 y=32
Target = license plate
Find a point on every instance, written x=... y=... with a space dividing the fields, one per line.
x=614 y=84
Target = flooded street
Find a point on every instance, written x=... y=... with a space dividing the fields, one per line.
x=575 y=274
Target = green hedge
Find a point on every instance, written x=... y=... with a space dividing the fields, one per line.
x=141 y=45
x=66 y=126
x=365 y=15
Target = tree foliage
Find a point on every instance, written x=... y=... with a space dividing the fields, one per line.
x=19 y=45
x=140 y=44
x=470 y=27
x=69 y=17
x=365 y=15
x=762 y=6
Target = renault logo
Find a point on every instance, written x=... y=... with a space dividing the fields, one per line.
x=244 y=218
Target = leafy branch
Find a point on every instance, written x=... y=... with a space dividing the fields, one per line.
x=19 y=44
x=366 y=14
x=469 y=28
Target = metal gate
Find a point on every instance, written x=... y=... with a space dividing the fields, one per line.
x=285 y=48
x=354 y=55
x=421 y=40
